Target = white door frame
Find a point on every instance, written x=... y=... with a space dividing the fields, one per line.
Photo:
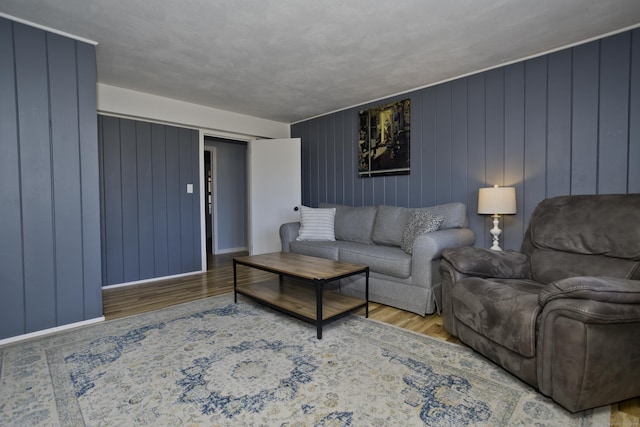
x=214 y=200
x=203 y=230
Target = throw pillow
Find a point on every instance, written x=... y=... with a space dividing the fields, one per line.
x=353 y=224
x=419 y=222
x=389 y=224
x=317 y=224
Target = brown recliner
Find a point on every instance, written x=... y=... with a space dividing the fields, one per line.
x=563 y=314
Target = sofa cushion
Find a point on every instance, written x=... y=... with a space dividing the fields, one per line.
x=389 y=225
x=419 y=222
x=390 y=222
x=388 y=260
x=353 y=224
x=503 y=310
x=316 y=224
x=317 y=248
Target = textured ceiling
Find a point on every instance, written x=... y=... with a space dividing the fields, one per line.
x=287 y=60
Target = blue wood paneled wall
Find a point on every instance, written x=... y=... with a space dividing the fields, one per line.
x=563 y=123
x=50 y=272
x=150 y=224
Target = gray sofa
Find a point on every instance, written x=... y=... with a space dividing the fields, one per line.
x=563 y=314
x=372 y=236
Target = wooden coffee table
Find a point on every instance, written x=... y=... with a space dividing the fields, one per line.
x=299 y=288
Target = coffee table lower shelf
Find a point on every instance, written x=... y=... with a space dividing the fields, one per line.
x=299 y=300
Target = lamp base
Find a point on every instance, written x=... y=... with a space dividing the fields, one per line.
x=495 y=232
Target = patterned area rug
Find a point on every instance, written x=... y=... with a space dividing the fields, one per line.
x=212 y=362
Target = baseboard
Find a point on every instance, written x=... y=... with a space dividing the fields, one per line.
x=230 y=250
x=154 y=279
x=49 y=331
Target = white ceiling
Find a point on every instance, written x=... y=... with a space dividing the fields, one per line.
x=287 y=60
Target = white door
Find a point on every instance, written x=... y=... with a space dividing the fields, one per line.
x=275 y=191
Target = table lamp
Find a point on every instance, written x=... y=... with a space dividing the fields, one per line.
x=496 y=201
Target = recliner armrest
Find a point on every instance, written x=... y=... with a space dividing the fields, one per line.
x=481 y=262
x=603 y=289
x=579 y=338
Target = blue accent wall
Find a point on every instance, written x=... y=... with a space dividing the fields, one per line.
x=150 y=225
x=562 y=123
x=50 y=272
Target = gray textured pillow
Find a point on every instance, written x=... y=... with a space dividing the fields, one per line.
x=419 y=222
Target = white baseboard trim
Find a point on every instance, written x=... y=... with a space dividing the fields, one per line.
x=154 y=279
x=231 y=250
x=49 y=331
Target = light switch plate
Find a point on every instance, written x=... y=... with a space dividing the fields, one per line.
x=189 y=188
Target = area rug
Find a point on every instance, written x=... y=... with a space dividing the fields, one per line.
x=216 y=363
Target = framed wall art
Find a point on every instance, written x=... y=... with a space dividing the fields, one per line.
x=383 y=140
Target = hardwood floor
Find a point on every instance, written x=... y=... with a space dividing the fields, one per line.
x=129 y=300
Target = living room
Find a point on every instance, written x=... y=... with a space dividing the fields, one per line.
x=562 y=121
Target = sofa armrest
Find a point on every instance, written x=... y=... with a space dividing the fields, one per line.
x=288 y=233
x=481 y=262
x=603 y=289
x=429 y=246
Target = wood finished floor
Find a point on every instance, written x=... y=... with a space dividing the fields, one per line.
x=129 y=300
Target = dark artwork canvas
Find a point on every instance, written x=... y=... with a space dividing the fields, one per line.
x=383 y=139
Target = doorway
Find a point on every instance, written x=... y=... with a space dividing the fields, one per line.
x=209 y=157
x=225 y=197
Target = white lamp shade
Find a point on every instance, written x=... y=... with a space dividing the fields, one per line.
x=497 y=200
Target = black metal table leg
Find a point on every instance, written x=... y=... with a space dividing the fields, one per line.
x=367 y=293
x=319 y=310
x=235 y=282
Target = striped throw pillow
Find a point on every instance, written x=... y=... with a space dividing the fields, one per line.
x=317 y=223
